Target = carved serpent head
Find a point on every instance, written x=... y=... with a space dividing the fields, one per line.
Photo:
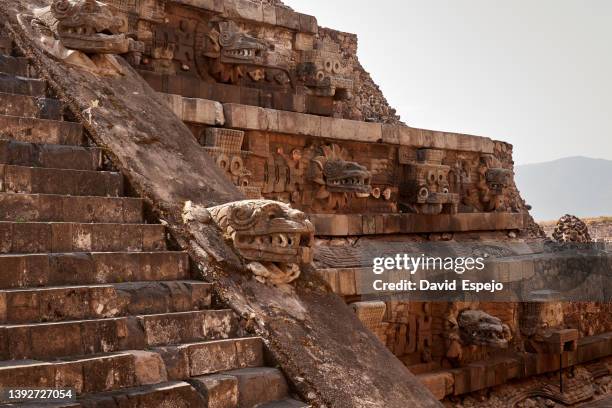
x=89 y=26
x=479 y=328
x=276 y=238
x=333 y=170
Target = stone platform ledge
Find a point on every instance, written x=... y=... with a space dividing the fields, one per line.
x=497 y=371
x=335 y=225
x=257 y=12
x=195 y=110
x=248 y=117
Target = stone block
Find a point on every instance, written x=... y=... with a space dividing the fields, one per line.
x=269 y=14
x=174 y=102
x=202 y=111
x=346 y=282
x=176 y=361
x=299 y=123
x=438 y=384
x=331 y=224
x=287 y=18
x=14 y=65
x=304 y=42
x=34 y=373
x=244 y=9
x=212 y=357
x=308 y=24
x=218 y=324
x=210 y=5
x=149 y=367
x=259 y=385
x=34 y=130
x=107 y=373
x=249 y=352
x=331 y=277
x=345 y=129
x=355 y=224
x=172 y=328
x=12 y=84
x=219 y=391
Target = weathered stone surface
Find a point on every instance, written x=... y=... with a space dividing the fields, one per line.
x=14 y=65
x=407 y=136
x=63 y=339
x=259 y=385
x=30 y=107
x=256 y=118
x=58 y=208
x=36 y=180
x=41 y=130
x=193 y=110
x=341 y=224
x=22 y=86
x=85 y=375
x=437 y=383
x=102 y=301
x=149 y=367
x=219 y=390
x=73 y=237
x=84 y=268
x=50 y=156
x=185 y=327
x=174 y=394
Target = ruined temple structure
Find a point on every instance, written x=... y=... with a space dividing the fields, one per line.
x=192 y=192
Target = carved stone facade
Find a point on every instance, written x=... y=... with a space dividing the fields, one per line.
x=250 y=52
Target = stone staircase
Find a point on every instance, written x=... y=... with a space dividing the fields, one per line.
x=91 y=297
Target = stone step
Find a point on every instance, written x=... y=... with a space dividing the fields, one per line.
x=30 y=106
x=35 y=270
x=61 y=208
x=260 y=385
x=41 y=130
x=14 y=65
x=43 y=341
x=285 y=403
x=62 y=303
x=38 y=180
x=171 y=394
x=201 y=358
x=41 y=237
x=50 y=155
x=84 y=375
x=14 y=84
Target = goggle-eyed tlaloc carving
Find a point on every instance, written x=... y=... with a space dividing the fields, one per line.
x=275 y=238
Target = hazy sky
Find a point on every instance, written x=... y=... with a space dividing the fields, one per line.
x=535 y=73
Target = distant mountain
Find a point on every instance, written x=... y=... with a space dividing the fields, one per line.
x=576 y=185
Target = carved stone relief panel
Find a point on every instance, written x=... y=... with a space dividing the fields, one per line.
x=426 y=183
x=225 y=147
